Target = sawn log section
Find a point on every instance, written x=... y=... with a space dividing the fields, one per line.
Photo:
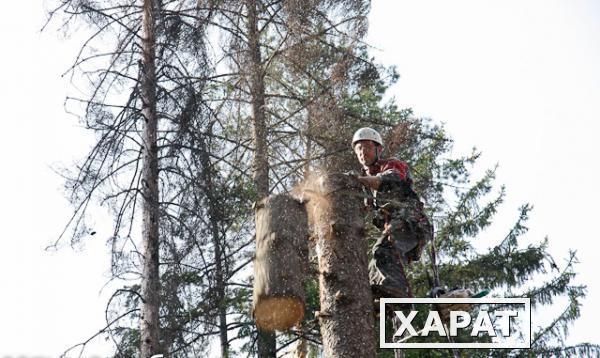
x=280 y=264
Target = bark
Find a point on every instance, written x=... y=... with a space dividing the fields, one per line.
x=216 y=216
x=266 y=340
x=220 y=281
x=281 y=259
x=346 y=314
x=150 y=344
x=257 y=91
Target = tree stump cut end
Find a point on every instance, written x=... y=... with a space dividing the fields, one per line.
x=278 y=313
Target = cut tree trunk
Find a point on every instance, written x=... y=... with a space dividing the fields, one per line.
x=346 y=313
x=280 y=264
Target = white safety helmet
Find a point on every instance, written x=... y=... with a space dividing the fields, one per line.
x=367 y=133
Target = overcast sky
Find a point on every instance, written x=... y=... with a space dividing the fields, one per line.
x=517 y=79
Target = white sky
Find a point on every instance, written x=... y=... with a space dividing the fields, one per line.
x=519 y=80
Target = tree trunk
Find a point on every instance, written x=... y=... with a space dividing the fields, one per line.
x=257 y=92
x=267 y=345
x=346 y=314
x=220 y=278
x=221 y=297
x=221 y=284
x=216 y=216
x=150 y=344
x=281 y=260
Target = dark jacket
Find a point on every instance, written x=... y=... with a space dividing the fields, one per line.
x=401 y=211
x=396 y=183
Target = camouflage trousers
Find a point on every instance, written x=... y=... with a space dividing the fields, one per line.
x=406 y=232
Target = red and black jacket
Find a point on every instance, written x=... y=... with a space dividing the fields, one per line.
x=395 y=177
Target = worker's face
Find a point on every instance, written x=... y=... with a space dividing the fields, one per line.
x=366 y=152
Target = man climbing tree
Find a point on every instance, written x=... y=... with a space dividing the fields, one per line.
x=398 y=212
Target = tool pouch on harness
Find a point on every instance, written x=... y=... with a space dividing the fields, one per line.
x=407 y=227
x=444 y=309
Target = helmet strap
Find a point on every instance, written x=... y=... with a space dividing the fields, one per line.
x=376 y=159
x=377 y=146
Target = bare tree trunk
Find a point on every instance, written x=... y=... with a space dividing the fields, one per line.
x=267 y=345
x=216 y=215
x=219 y=273
x=150 y=344
x=257 y=91
x=346 y=315
x=221 y=296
